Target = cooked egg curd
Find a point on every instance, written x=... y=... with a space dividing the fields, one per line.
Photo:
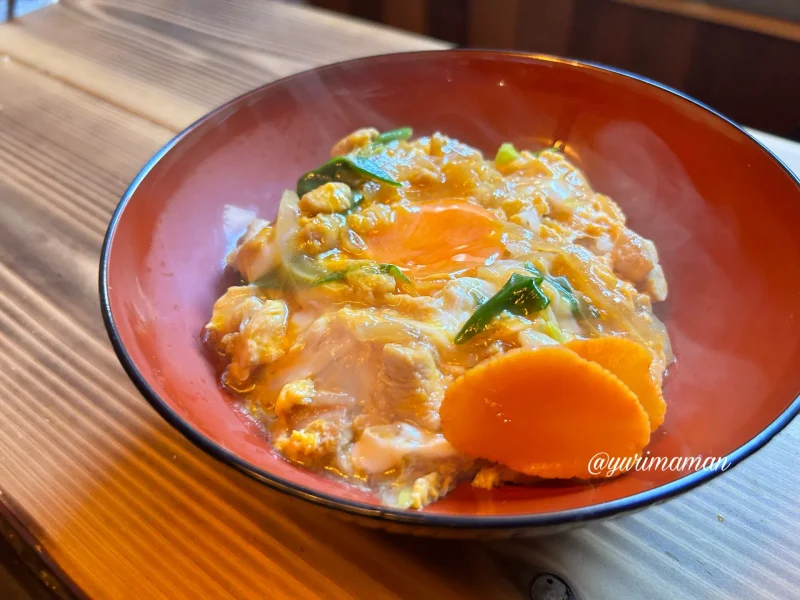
x=402 y=264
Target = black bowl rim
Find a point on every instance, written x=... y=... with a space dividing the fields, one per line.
x=401 y=516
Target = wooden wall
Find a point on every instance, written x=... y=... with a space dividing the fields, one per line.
x=744 y=72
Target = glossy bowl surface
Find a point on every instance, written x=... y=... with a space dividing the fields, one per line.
x=723 y=212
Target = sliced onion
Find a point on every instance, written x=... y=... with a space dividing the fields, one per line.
x=301 y=269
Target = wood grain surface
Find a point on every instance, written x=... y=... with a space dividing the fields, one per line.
x=750 y=21
x=743 y=64
x=122 y=504
x=170 y=62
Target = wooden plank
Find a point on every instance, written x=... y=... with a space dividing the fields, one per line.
x=112 y=491
x=334 y=5
x=721 y=15
x=652 y=44
x=493 y=24
x=409 y=15
x=546 y=26
x=367 y=9
x=749 y=77
x=602 y=32
x=449 y=20
x=750 y=70
x=129 y=509
x=124 y=504
x=172 y=61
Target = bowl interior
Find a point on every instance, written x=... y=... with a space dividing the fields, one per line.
x=722 y=212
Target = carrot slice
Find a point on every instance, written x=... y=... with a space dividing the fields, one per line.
x=631 y=363
x=544 y=412
x=437 y=237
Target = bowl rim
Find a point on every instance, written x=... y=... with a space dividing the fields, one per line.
x=404 y=516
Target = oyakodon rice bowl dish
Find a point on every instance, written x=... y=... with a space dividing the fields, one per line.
x=418 y=315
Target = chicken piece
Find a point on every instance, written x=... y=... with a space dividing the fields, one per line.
x=340 y=351
x=410 y=385
x=633 y=256
x=294 y=394
x=261 y=339
x=320 y=233
x=458 y=300
x=229 y=311
x=358 y=139
x=331 y=197
x=256 y=255
x=248 y=329
x=463 y=295
x=655 y=285
x=300 y=400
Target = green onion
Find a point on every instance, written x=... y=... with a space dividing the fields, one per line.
x=520 y=295
x=335 y=276
x=401 y=133
x=352 y=170
x=297 y=270
x=564 y=289
x=506 y=153
x=395 y=272
x=537 y=276
x=561 y=285
x=389 y=269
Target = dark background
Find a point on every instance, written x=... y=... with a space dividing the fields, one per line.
x=742 y=57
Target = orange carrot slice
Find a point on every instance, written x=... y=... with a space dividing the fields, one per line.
x=544 y=412
x=437 y=237
x=631 y=363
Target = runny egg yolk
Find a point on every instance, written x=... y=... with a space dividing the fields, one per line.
x=437 y=237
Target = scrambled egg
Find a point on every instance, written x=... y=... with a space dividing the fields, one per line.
x=350 y=323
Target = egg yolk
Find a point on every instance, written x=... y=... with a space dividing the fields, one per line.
x=437 y=237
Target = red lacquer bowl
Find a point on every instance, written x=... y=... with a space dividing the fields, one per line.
x=723 y=211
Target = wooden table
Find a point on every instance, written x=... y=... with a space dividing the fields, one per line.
x=111 y=500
